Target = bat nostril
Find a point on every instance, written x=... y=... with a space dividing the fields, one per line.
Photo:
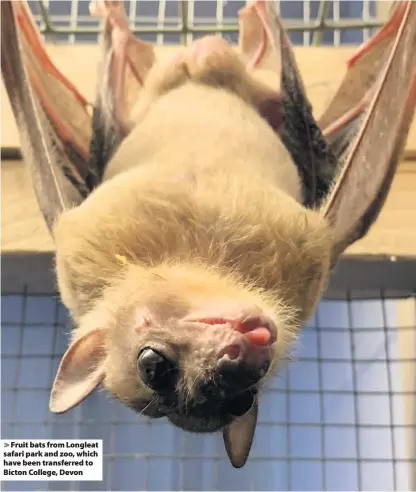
x=230 y=352
x=237 y=375
x=229 y=376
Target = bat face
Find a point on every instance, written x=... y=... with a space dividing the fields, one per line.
x=200 y=373
x=196 y=359
x=181 y=342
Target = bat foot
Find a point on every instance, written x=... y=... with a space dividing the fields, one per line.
x=207 y=60
x=210 y=53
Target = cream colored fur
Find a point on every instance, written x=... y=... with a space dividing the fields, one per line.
x=201 y=201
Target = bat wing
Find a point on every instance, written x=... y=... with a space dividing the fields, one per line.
x=54 y=148
x=343 y=116
x=350 y=155
x=65 y=148
x=375 y=137
x=125 y=63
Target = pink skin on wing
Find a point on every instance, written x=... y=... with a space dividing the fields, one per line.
x=127 y=51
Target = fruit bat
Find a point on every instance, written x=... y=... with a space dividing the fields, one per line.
x=197 y=212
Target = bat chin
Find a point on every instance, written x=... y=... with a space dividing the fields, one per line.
x=194 y=418
x=150 y=408
x=211 y=416
x=208 y=424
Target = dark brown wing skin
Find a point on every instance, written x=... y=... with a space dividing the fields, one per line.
x=372 y=156
x=53 y=146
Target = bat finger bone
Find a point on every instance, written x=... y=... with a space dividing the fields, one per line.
x=350 y=114
x=35 y=47
x=388 y=30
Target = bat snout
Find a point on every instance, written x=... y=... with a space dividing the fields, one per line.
x=244 y=356
x=246 y=361
x=242 y=365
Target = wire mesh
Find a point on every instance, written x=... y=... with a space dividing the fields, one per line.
x=332 y=22
x=336 y=419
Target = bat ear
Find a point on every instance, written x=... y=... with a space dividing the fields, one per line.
x=81 y=370
x=238 y=436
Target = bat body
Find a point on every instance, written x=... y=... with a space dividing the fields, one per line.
x=197 y=232
x=195 y=207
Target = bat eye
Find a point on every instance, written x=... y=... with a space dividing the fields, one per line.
x=156 y=370
x=241 y=404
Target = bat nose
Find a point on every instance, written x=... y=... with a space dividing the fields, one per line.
x=246 y=356
x=241 y=367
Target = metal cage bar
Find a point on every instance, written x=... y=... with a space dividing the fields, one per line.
x=320 y=19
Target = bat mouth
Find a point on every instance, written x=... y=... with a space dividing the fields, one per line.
x=259 y=330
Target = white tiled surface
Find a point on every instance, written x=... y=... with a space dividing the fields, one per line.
x=326 y=424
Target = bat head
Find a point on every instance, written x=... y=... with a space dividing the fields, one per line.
x=200 y=370
x=183 y=343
